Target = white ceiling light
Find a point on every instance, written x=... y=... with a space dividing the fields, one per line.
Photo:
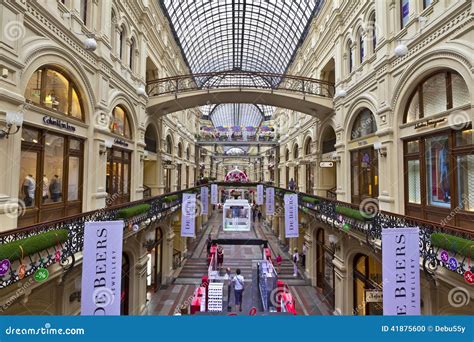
x=141 y=90
x=341 y=92
x=90 y=44
x=401 y=50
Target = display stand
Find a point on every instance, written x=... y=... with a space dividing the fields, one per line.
x=236 y=215
x=215 y=297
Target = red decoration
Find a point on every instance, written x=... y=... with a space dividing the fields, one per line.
x=469 y=277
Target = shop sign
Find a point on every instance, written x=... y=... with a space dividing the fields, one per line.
x=291 y=215
x=259 y=194
x=120 y=142
x=188 y=215
x=169 y=166
x=102 y=268
x=270 y=201
x=401 y=271
x=373 y=296
x=214 y=194
x=48 y=120
x=429 y=122
x=324 y=164
x=204 y=200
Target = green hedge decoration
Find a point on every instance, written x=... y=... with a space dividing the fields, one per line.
x=170 y=198
x=352 y=213
x=305 y=210
x=133 y=211
x=310 y=200
x=32 y=244
x=453 y=244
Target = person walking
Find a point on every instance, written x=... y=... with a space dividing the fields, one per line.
x=220 y=257
x=238 y=282
x=228 y=281
x=209 y=243
x=303 y=256
x=259 y=215
x=296 y=258
x=278 y=261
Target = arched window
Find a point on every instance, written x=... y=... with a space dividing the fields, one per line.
x=188 y=154
x=169 y=145
x=150 y=139
x=350 y=62
x=437 y=93
x=132 y=53
x=372 y=32
x=404 y=12
x=121 y=41
x=360 y=43
x=51 y=88
x=83 y=11
x=180 y=150
x=364 y=124
x=121 y=123
x=287 y=155
x=295 y=152
x=307 y=148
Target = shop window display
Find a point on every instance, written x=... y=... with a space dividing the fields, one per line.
x=367 y=276
x=437 y=93
x=441 y=167
x=120 y=123
x=50 y=176
x=51 y=88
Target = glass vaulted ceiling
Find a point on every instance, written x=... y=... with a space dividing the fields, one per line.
x=239 y=35
x=237 y=114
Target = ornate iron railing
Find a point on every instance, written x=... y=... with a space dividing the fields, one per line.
x=322 y=209
x=239 y=79
x=374 y=221
x=65 y=253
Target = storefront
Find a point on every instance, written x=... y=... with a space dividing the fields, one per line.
x=324 y=268
x=155 y=259
x=119 y=158
x=439 y=163
x=52 y=153
x=364 y=159
x=367 y=279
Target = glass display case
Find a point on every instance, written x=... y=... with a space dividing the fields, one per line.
x=236 y=215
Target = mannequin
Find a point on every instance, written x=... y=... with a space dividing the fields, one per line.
x=29 y=186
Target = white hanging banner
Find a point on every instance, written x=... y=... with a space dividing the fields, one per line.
x=214 y=194
x=291 y=215
x=102 y=268
x=259 y=194
x=188 y=215
x=270 y=201
x=204 y=200
x=401 y=271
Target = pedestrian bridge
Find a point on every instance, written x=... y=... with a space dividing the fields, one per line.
x=302 y=94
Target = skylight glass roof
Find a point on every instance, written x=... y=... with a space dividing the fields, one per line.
x=240 y=35
x=237 y=114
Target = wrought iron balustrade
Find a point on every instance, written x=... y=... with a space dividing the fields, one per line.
x=239 y=79
x=75 y=227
